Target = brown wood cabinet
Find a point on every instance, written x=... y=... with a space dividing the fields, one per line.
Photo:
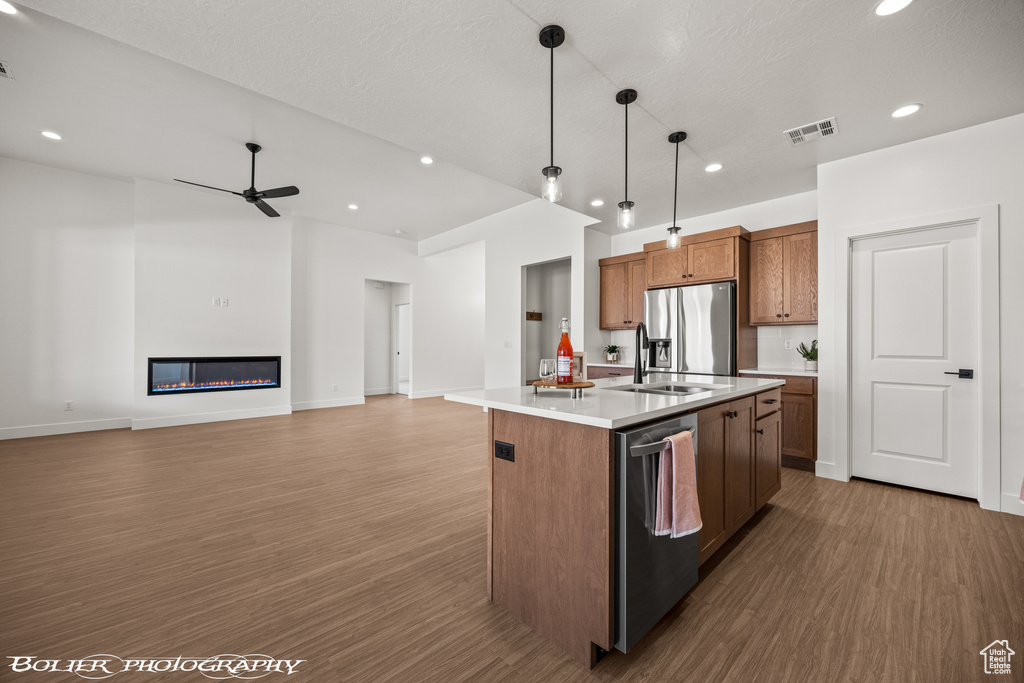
x=784 y=275
x=799 y=421
x=602 y=371
x=623 y=283
x=705 y=261
x=725 y=471
x=767 y=457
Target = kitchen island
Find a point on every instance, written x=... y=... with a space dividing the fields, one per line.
x=552 y=509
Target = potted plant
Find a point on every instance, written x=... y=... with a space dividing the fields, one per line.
x=612 y=353
x=810 y=355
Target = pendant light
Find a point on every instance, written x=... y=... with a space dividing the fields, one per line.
x=627 y=217
x=673 y=232
x=551 y=37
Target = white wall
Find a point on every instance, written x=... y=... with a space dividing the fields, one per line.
x=981 y=165
x=330 y=265
x=66 y=292
x=548 y=290
x=377 y=338
x=534 y=232
x=191 y=246
x=597 y=246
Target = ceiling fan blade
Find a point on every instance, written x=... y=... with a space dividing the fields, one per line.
x=266 y=208
x=209 y=187
x=278 y=192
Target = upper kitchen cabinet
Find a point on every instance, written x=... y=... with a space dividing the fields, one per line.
x=784 y=275
x=623 y=282
x=705 y=257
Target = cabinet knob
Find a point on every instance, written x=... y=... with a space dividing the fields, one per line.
x=760 y=431
x=778 y=315
x=771 y=400
x=732 y=414
x=787 y=315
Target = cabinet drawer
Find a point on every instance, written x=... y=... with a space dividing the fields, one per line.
x=769 y=402
x=599 y=372
x=798 y=385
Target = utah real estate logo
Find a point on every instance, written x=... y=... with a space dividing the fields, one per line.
x=997 y=657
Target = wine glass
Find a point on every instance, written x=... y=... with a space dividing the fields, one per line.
x=547 y=369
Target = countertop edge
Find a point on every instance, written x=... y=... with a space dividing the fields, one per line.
x=684 y=406
x=779 y=371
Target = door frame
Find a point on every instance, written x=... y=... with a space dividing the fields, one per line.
x=395 y=348
x=989 y=448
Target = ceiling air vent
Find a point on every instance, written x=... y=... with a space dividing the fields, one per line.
x=5 y=70
x=813 y=131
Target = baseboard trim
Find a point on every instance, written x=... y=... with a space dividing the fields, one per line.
x=333 y=403
x=826 y=470
x=30 y=431
x=200 y=418
x=441 y=392
x=376 y=392
x=1012 y=504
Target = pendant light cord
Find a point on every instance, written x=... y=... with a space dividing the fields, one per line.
x=675 y=188
x=625 y=184
x=552 y=50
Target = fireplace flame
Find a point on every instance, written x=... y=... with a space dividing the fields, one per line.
x=222 y=384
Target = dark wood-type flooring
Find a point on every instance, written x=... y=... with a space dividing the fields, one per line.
x=355 y=538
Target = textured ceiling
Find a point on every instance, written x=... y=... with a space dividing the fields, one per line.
x=467 y=82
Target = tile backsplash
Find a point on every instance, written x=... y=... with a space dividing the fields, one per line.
x=771 y=345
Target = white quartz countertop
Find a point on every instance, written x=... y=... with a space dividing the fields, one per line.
x=789 y=372
x=602 y=407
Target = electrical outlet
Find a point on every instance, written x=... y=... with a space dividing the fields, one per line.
x=216 y=301
x=508 y=345
x=223 y=302
x=789 y=343
x=504 y=451
x=334 y=387
x=69 y=405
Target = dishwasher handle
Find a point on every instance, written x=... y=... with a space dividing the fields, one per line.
x=643 y=449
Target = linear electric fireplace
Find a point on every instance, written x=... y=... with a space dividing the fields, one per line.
x=194 y=375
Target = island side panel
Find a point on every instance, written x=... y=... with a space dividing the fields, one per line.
x=551 y=543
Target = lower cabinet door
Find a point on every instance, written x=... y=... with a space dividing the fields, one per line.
x=711 y=479
x=768 y=457
x=798 y=426
x=739 y=463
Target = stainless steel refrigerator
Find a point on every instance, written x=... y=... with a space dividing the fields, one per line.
x=692 y=329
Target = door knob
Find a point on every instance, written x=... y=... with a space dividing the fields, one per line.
x=962 y=374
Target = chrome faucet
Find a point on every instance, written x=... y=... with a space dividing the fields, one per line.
x=641 y=343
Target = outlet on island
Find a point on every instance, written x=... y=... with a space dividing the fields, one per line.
x=504 y=451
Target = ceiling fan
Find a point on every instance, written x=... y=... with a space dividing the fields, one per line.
x=252 y=195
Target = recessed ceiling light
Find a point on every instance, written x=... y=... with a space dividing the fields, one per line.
x=49 y=133
x=711 y=168
x=906 y=110
x=353 y=207
x=7 y=8
x=597 y=202
x=426 y=160
x=887 y=7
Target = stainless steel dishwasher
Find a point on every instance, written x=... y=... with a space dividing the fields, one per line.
x=652 y=573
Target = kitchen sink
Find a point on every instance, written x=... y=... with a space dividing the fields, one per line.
x=666 y=388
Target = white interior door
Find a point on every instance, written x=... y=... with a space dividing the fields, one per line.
x=915 y=319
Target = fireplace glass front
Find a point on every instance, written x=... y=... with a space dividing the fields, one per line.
x=194 y=375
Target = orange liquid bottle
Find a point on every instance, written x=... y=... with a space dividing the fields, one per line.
x=564 y=372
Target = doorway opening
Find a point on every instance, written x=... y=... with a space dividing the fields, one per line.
x=547 y=290
x=387 y=338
